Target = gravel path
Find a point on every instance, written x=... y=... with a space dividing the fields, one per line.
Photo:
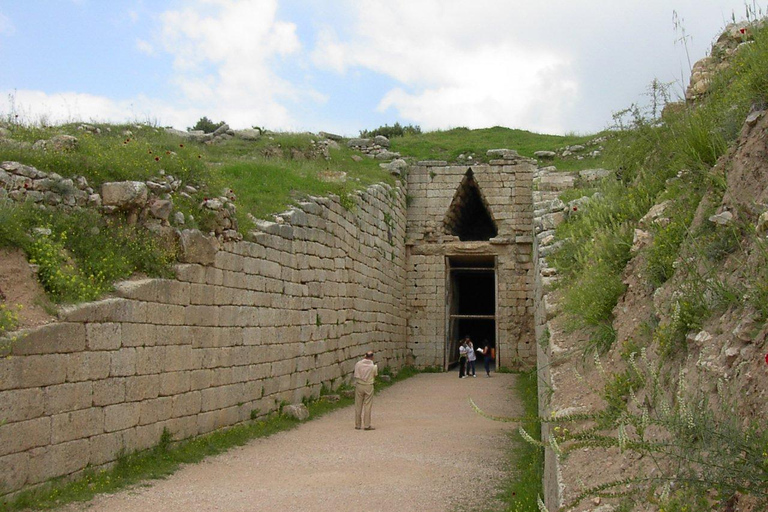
x=430 y=452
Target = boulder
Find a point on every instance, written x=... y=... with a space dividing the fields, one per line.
x=62 y=143
x=545 y=155
x=722 y=219
x=297 y=411
x=248 y=134
x=359 y=143
x=386 y=155
x=754 y=117
x=762 y=224
x=330 y=136
x=197 y=247
x=124 y=195
x=221 y=130
x=505 y=154
x=381 y=140
x=641 y=239
x=171 y=131
x=395 y=167
x=594 y=174
x=655 y=215
x=161 y=208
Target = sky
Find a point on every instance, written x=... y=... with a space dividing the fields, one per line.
x=550 y=66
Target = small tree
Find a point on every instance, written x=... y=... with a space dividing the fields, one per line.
x=206 y=125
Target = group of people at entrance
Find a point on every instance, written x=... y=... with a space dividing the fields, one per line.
x=468 y=357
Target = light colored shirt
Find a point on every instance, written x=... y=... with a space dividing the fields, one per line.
x=471 y=352
x=365 y=371
x=463 y=350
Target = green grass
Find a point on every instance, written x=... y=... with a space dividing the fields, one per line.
x=519 y=493
x=164 y=459
x=449 y=144
x=660 y=159
x=83 y=254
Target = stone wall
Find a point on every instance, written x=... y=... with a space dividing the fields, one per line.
x=245 y=326
x=506 y=186
x=549 y=212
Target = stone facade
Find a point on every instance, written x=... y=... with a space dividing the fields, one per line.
x=437 y=193
x=248 y=325
x=266 y=321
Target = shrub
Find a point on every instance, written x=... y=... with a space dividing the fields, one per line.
x=396 y=130
x=206 y=125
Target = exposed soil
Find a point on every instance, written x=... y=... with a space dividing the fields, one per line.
x=19 y=287
x=430 y=452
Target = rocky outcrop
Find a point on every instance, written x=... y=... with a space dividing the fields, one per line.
x=147 y=202
x=730 y=42
x=377 y=147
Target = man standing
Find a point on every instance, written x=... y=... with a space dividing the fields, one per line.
x=365 y=372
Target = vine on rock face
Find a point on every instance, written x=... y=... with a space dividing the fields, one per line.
x=692 y=448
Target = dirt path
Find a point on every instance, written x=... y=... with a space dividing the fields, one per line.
x=430 y=452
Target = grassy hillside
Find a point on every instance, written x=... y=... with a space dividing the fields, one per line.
x=450 y=144
x=83 y=254
x=679 y=323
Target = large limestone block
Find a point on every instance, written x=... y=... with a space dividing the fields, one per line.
x=125 y=194
x=73 y=425
x=105 y=447
x=50 y=339
x=108 y=392
x=68 y=397
x=141 y=387
x=23 y=435
x=14 y=471
x=103 y=336
x=32 y=371
x=186 y=404
x=22 y=404
x=87 y=366
x=175 y=383
x=197 y=247
x=61 y=459
x=155 y=410
x=121 y=416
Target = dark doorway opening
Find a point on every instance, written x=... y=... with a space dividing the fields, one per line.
x=468 y=217
x=471 y=304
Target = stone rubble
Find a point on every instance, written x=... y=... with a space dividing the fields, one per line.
x=149 y=203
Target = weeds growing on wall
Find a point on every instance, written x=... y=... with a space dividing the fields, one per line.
x=79 y=255
x=692 y=447
x=519 y=494
x=658 y=157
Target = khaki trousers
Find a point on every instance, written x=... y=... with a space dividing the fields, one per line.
x=363 y=403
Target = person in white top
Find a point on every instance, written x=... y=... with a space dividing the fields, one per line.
x=365 y=374
x=471 y=357
x=463 y=358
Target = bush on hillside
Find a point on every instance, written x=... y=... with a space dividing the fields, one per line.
x=206 y=125
x=396 y=130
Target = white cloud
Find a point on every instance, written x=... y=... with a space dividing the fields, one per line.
x=6 y=25
x=224 y=53
x=459 y=64
x=37 y=107
x=547 y=66
x=145 y=47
